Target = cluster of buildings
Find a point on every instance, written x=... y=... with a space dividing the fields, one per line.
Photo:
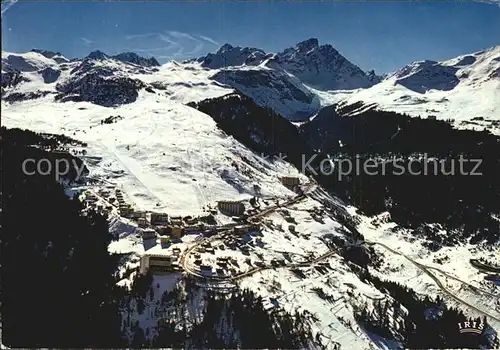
x=92 y=201
x=160 y=224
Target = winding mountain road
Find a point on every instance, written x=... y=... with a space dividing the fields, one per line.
x=438 y=282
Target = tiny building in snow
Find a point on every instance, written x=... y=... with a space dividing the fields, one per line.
x=290 y=181
x=138 y=215
x=241 y=229
x=164 y=230
x=157 y=264
x=177 y=231
x=176 y=221
x=159 y=219
x=192 y=229
x=231 y=207
x=148 y=233
x=125 y=210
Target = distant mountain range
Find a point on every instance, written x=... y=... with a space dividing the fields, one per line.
x=321 y=67
x=296 y=82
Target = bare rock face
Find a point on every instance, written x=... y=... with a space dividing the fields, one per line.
x=50 y=75
x=12 y=79
x=107 y=91
x=321 y=67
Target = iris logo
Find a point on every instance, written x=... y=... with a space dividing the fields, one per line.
x=472 y=327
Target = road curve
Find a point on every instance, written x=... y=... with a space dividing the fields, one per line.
x=425 y=269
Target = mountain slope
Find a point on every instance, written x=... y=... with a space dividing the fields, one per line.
x=155 y=137
x=465 y=89
x=274 y=89
x=182 y=139
x=321 y=67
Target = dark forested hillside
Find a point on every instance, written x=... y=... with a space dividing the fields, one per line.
x=229 y=320
x=440 y=192
x=58 y=288
x=426 y=324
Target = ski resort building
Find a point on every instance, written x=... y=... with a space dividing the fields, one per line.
x=125 y=210
x=176 y=220
x=290 y=181
x=156 y=263
x=231 y=207
x=148 y=233
x=206 y=270
x=165 y=240
x=242 y=229
x=159 y=219
x=142 y=222
x=177 y=231
x=193 y=229
x=138 y=214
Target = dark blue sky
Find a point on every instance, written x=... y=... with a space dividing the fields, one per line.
x=374 y=35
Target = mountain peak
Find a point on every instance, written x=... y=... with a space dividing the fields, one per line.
x=47 y=53
x=226 y=47
x=308 y=45
x=96 y=55
x=132 y=57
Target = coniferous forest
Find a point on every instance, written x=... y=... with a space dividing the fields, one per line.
x=58 y=288
x=58 y=279
x=462 y=203
x=426 y=324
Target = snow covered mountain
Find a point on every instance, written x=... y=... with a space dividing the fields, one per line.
x=229 y=56
x=296 y=82
x=126 y=57
x=321 y=67
x=465 y=90
x=151 y=104
x=181 y=136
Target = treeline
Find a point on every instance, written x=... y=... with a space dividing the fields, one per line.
x=425 y=324
x=260 y=129
x=216 y=321
x=234 y=322
x=462 y=203
x=58 y=288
